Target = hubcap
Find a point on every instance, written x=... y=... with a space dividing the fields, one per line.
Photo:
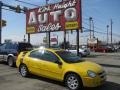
x=72 y=82
x=23 y=70
x=10 y=62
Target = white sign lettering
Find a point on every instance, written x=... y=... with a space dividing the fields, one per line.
x=69 y=14
x=49 y=27
x=43 y=18
x=65 y=5
x=32 y=18
x=56 y=15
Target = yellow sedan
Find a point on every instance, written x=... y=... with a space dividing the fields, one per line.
x=61 y=65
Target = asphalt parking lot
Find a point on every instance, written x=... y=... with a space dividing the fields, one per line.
x=10 y=79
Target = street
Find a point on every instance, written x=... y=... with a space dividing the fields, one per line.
x=10 y=79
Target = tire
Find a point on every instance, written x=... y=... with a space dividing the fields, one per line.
x=104 y=51
x=10 y=61
x=23 y=70
x=80 y=55
x=73 y=82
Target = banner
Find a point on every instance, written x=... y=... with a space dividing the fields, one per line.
x=61 y=16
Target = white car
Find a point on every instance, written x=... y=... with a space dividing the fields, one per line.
x=82 y=51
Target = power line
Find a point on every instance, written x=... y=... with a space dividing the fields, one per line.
x=26 y=3
x=10 y=10
x=94 y=26
x=7 y=9
x=88 y=30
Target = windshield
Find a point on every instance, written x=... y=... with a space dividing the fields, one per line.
x=69 y=57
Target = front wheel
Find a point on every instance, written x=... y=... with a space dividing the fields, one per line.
x=73 y=82
x=10 y=61
x=23 y=70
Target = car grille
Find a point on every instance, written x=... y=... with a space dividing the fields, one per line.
x=102 y=74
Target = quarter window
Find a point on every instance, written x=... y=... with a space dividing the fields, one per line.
x=35 y=54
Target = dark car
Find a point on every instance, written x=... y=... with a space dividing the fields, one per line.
x=9 y=51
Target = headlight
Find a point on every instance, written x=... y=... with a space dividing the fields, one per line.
x=91 y=74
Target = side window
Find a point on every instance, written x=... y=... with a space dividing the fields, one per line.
x=49 y=56
x=35 y=54
x=2 y=46
x=14 y=46
x=9 y=46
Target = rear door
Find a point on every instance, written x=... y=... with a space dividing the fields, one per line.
x=10 y=49
x=2 y=51
x=42 y=62
x=35 y=64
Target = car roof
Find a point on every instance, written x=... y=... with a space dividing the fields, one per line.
x=16 y=43
x=50 y=49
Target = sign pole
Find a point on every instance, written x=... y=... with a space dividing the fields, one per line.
x=29 y=37
x=77 y=42
x=48 y=33
x=49 y=39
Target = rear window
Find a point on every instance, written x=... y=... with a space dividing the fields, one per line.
x=25 y=47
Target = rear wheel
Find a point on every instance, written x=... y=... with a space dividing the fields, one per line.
x=23 y=70
x=73 y=82
x=104 y=51
x=10 y=61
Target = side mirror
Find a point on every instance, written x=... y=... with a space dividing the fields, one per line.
x=59 y=62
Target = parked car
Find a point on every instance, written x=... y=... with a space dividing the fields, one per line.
x=61 y=65
x=82 y=51
x=104 y=49
x=9 y=51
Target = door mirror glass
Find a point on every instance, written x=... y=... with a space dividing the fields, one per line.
x=59 y=62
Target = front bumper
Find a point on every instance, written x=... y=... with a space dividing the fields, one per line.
x=93 y=82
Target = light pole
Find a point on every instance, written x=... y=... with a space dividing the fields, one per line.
x=107 y=34
x=90 y=21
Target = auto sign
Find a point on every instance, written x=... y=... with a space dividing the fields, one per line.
x=55 y=17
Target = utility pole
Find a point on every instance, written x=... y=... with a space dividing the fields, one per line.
x=111 y=23
x=90 y=21
x=0 y=21
x=107 y=34
x=93 y=27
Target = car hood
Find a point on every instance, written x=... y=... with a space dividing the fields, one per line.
x=86 y=65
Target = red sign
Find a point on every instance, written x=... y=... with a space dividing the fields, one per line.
x=55 y=17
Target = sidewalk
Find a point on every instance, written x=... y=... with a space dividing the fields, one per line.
x=105 y=58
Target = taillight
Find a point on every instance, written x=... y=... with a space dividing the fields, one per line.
x=17 y=55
